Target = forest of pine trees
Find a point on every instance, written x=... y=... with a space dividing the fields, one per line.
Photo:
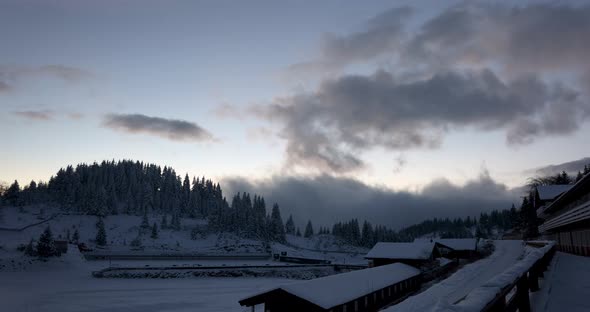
x=135 y=188
x=368 y=235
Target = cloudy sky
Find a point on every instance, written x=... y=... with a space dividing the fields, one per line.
x=387 y=102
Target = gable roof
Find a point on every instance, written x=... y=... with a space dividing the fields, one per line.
x=415 y=251
x=330 y=291
x=550 y=192
x=453 y=243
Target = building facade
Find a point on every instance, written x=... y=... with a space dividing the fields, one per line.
x=567 y=219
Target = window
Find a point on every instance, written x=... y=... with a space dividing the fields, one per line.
x=356 y=306
x=366 y=301
x=344 y=308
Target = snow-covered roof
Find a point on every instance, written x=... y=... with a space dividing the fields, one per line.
x=415 y=250
x=454 y=243
x=334 y=290
x=549 y=192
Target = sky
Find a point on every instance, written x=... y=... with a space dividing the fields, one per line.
x=395 y=97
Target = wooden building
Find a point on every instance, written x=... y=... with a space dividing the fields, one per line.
x=362 y=290
x=462 y=248
x=544 y=195
x=416 y=254
x=567 y=219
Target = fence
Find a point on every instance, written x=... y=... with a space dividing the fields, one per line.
x=509 y=291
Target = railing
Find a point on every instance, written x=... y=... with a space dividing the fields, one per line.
x=579 y=213
x=509 y=291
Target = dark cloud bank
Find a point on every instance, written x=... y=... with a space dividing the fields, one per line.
x=172 y=129
x=475 y=67
x=326 y=199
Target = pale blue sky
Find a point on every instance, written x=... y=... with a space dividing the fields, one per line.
x=182 y=60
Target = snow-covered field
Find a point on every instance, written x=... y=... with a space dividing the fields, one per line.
x=458 y=285
x=66 y=285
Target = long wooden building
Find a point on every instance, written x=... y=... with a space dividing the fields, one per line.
x=464 y=248
x=567 y=219
x=362 y=290
x=415 y=254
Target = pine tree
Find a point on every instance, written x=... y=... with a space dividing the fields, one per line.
x=175 y=223
x=101 y=234
x=367 y=238
x=308 y=230
x=164 y=222
x=154 y=231
x=76 y=236
x=277 y=229
x=145 y=223
x=46 y=245
x=136 y=242
x=12 y=194
x=30 y=249
x=298 y=233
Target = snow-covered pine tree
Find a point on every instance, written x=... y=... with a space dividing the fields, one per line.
x=101 y=234
x=30 y=249
x=277 y=228
x=46 y=245
x=175 y=224
x=76 y=236
x=308 y=230
x=136 y=242
x=194 y=201
x=164 y=222
x=367 y=238
x=145 y=223
x=12 y=194
x=290 y=226
x=154 y=234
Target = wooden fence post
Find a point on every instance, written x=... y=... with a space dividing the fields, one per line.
x=522 y=294
x=533 y=278
x=499 y=306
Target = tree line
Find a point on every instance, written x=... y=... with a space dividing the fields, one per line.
x=367 y=234
x=134 y=188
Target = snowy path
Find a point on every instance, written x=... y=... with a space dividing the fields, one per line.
x=458 y=285
x=566 y=286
